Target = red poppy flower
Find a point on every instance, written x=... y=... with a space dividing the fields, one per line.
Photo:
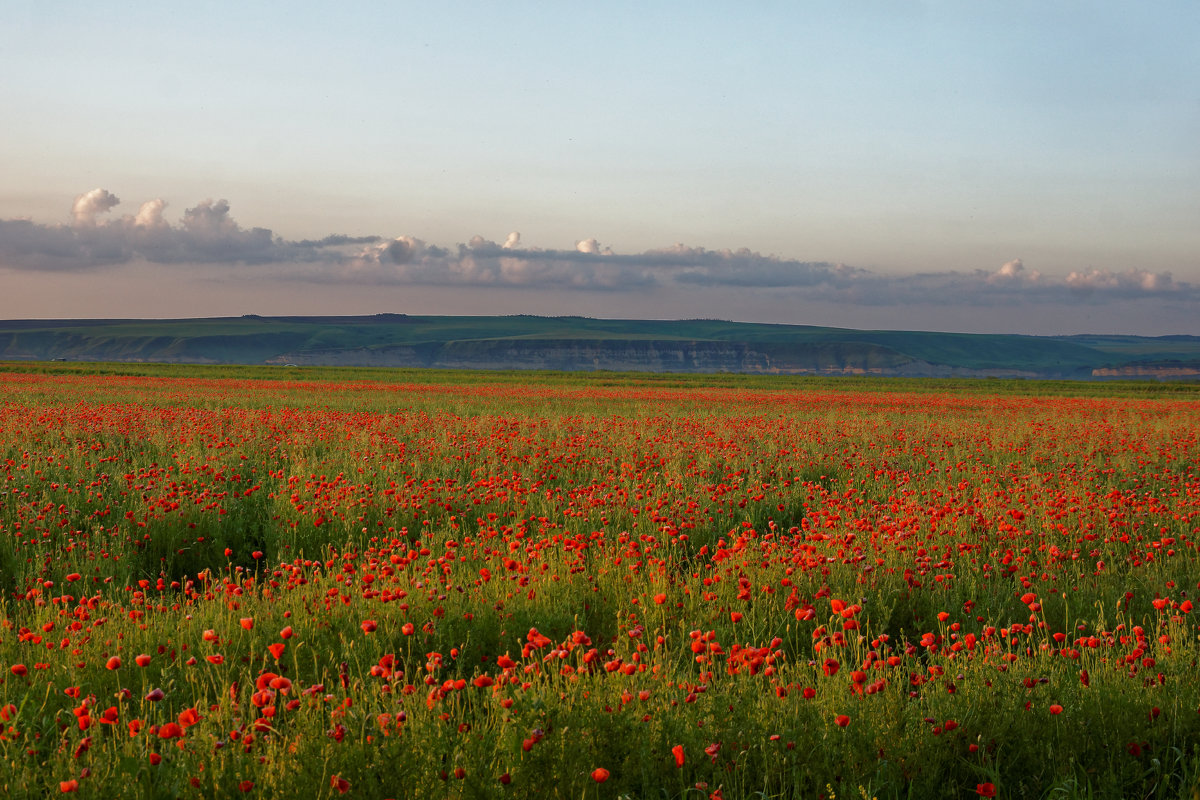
x=68 y=786
x=600 y=774
x=142 y=660
x=985 y=789
x=841 y=720
x=113 y=663
x=247 y=623
x=171 y=730
x=1056 y=709
x=677 y=751
x=276 y=649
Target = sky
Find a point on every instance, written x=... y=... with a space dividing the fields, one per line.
x=998 y=167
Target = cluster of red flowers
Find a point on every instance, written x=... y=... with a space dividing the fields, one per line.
x=732 y=538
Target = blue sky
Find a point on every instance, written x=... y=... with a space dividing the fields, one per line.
x=1016 y=167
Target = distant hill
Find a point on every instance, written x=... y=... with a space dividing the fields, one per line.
x=581 y=343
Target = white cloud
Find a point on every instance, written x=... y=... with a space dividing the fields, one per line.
x=1013 y=272
x=89 y=205
x=208 y=234
x=588 y=246
x=150 y=215
x=1131 y=280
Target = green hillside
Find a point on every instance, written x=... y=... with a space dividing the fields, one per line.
x=573 y=343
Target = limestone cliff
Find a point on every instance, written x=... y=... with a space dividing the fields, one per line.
x=850 y=358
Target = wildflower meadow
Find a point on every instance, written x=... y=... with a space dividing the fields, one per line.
x=371 y=584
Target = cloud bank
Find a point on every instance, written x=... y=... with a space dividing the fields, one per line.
x=94 y=238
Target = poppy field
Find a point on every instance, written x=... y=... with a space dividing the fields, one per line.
x=228 y=584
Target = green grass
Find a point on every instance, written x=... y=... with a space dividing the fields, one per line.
x=601 y=379
x=503 y=502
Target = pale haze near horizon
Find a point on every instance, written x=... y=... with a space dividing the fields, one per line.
x=986 y=167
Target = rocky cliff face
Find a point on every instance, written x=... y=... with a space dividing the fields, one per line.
x=1159 y=371
x=644 y=356
x=634 y=356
